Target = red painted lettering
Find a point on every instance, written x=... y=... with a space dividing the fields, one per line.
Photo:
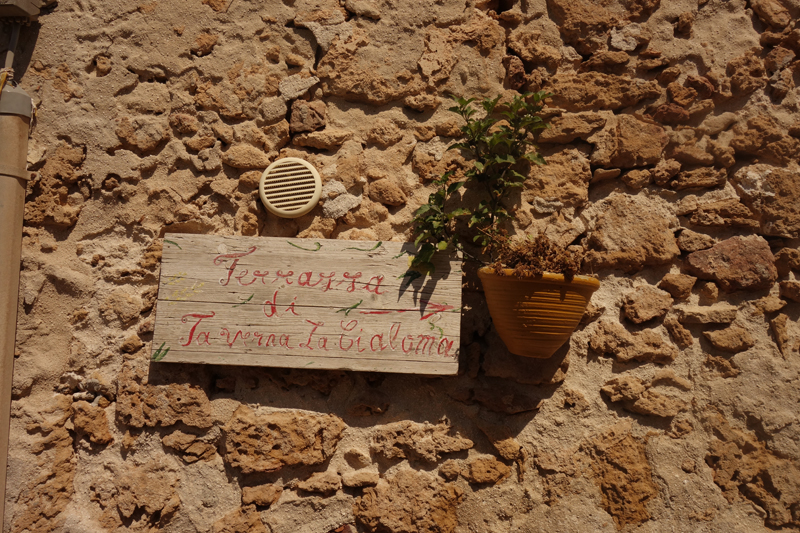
x=199 y=318
x=426 y=342
x=279 y=274
x=291 y=307
x=307 y=344
x=448 y=345
x=284 y=342
x=403 y=344
x=393 y=336
x=224 y=332
x=381 y=346
x=341 y=343
x=272 y=310
x=243 y=274
x=376 y=289
x=222 y=259
x=244 y=337
x=353 y=278
x=304 y=280
x=329 y=277
x=349 y=327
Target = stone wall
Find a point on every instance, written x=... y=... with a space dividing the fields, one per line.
x=673 y=160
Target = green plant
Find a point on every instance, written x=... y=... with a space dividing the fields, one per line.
x=501 y=145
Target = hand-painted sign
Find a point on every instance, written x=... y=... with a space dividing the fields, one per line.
x=305 y=303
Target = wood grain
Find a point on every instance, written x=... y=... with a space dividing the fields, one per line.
x=304 y=303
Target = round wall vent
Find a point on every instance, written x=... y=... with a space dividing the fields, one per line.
x=290 y=187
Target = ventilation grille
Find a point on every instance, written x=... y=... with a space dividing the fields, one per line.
x=290 y=187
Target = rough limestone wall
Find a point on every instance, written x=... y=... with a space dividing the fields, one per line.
x=672 y=161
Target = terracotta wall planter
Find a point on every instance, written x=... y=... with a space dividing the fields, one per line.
x=535 y=316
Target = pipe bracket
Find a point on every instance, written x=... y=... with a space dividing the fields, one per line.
x=14 y=172
x=15 y=101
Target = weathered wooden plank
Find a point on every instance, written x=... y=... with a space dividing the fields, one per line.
x=204 y=327
x=325 y=363
x=287 y=252
x=335 y=265
x=305 y=303
x=342 y=292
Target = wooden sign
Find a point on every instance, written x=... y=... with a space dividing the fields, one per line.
x=306 y=303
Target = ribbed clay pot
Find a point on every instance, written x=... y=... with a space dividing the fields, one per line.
x=536 y=315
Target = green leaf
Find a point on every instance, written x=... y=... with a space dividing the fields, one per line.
x=490 y=104
x=538 y=159
x=453 y=187
x=422 y=210
x=409 y=276
x=510 y=115
x=426 y=252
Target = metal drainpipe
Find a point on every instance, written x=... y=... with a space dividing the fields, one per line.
x=15 y=118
